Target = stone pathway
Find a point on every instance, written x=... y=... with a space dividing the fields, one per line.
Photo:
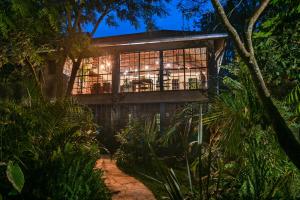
x=122 y=186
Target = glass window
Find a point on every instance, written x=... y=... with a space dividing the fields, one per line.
x=195 y=68
x=173 y=69
x=94 y=76
x=139 y=71
x=185 y=69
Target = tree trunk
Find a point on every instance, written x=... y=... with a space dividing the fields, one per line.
x=59 y=76
x=75 y=69
x=285 y=136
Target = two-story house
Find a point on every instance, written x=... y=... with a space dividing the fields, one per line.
x=148 y=74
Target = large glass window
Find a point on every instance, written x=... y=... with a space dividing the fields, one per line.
x=185 y=69
x=195 y=68
x=94 y=76
x=173 y=69
x=139 y=71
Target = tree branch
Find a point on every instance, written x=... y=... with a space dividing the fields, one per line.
x=105 y=12
x=231 y=30
x=77 y=20
x=69 y=27
x=107 y=9
x=252 y=22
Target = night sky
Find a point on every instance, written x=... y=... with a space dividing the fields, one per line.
x=172 y=22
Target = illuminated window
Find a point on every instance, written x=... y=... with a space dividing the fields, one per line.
x=94 y=76
x=195 y=68
x=185 y=69
x=139 y=71
x=173 y=69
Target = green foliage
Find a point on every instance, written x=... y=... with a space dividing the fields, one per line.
x=54 y=145
x=237 y=109
x=134 y=141
x=74 y=176
x=266 y=172
x=277 y=47
x=168 y=179
x=293 y=99
x=15 y=175
x=240 y=156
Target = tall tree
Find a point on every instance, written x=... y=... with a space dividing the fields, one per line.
x=76 y=14
x=246 y=51
x=27 y=28
x=276 y=43
x=207 y=21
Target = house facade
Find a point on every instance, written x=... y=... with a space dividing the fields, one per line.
x=147 y=75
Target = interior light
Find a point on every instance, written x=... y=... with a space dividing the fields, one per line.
x=168 y=65
x=146 y=67
x=156 y=62
x=136 y=70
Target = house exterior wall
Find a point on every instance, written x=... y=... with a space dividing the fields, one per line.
x=118 y=107
x=113 y=110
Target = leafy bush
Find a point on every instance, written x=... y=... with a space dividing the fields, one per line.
x=54 y=145
x=74 y=176
x=134 y=141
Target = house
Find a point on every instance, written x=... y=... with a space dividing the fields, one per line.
x=147 y=74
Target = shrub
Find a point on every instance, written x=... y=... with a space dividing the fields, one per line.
x=54 y=145
x=134 y=141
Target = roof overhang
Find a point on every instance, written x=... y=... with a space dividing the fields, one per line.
x=164 y=40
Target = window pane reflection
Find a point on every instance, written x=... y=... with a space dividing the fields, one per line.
x=139 y=71
x=94 y=76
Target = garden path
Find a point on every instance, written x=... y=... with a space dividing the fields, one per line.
x=122 y=186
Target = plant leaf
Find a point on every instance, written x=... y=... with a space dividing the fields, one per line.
x=15 y=175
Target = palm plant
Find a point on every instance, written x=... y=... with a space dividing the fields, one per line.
x=237 y=117
x=235 y=110
x=241 y=158
x=35 y=139
x=134 y=141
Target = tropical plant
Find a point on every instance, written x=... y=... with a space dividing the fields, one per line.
x=53 y=145
x=240 y=157
x=246 y=51
x=134 y=141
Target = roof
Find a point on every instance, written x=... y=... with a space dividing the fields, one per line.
x=155 y=37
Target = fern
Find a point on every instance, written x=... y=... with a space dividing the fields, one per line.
x=294 y=98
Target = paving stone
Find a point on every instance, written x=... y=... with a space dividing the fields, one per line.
x=122 y=186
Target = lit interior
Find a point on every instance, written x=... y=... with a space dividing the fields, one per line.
x=182 y=69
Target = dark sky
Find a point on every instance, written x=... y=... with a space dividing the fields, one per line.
x=172 y=22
